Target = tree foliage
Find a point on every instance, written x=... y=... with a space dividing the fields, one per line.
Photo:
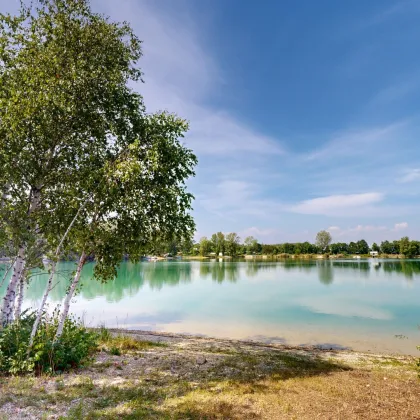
x=77 y=147
x=232 y=244
x=323 y=239
x=218 y=242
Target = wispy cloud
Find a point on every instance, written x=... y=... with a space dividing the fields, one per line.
x=368 y=232
x=357 y=229
x=400 y=226
x=396 y=92
x=231 y=199
x=246 y=177
x=215 y=133
x=261 y=234
x=180 y=76
x=226 y=197
x=356 y=142
x=334 y=204
x=411 y=175
x=399 y=8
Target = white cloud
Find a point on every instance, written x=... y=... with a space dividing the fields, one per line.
x=411 y=175
x=357 y=229
x=372 y=233
x=180 y=75
x=216 y=133
x=226 y=195
x=356 y=142
x=367 y=228
x=259 y=234
x=230 y=199
x=334 y=204
x=400 y=226
x=333 y=229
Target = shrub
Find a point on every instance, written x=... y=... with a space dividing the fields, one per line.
x=75 y=346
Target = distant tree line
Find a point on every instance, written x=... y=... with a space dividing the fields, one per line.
x=232 y=245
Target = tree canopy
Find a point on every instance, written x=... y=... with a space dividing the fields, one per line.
x=323 y=239
x=77 y=147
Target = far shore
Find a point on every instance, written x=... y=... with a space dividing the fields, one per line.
x=280 y=257
x=299 y=257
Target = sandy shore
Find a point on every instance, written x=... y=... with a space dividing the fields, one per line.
x=171 y=376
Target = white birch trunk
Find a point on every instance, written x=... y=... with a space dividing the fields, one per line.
x=41 y=307
x=6 y=315
x=69 y=296
x=20 y=295
x=51 y=277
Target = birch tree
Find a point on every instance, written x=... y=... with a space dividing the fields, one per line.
x=141 y=197
x=64 y=104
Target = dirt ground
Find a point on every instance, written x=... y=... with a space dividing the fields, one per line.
x=139 y=375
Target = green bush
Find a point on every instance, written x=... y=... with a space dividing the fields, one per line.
x=75 y=346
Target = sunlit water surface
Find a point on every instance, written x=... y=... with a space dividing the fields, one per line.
x=365 y=305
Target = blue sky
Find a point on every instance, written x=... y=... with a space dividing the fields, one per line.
x=304 y=115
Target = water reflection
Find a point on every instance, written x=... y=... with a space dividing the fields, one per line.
x=409 y=269
x=325 y=272
x=220 y=271
x=133 y=277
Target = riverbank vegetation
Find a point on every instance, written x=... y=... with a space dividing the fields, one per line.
x=46 y=355
x=230 y=244
x=177 y=377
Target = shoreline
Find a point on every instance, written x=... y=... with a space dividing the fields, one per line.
x=314 y=349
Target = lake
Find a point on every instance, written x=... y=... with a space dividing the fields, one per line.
x=368 y=305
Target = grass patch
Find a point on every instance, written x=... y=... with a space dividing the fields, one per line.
x=121 y=343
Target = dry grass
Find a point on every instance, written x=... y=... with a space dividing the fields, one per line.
x=190 y=378
x=122 y=343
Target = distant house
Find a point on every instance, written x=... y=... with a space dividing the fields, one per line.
x=374 y=253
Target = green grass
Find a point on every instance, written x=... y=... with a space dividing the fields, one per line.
x=121 y=343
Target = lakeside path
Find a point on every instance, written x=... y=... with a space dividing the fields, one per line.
x=140 y=375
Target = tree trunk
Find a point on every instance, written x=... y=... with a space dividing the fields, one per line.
x=20 y=295
x=41 y=307
x=69 y=296
x=51 y=277
x=6 y=315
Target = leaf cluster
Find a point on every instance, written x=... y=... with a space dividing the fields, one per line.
x=75 y=347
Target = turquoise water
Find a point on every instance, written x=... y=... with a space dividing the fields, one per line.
x=365 y=304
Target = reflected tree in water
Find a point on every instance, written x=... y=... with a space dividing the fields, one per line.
x=325 y=272
x=220 y=271
x=294 y=264
x=131 y=277
x=158 y=275
x=408 y=268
